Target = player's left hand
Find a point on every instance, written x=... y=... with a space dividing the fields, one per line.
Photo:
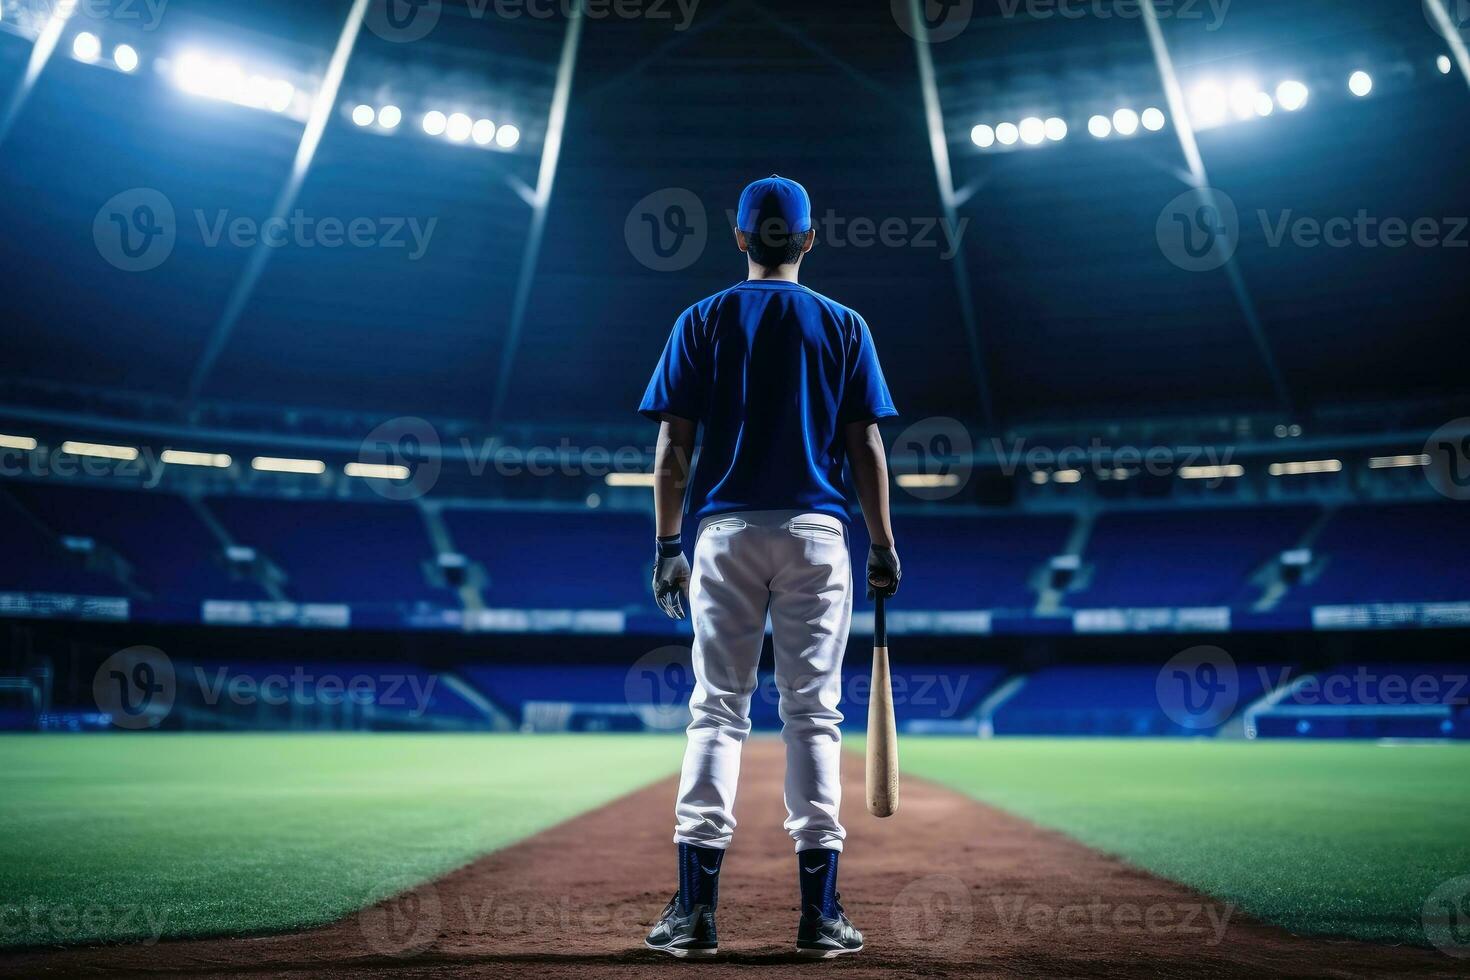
x=671 y=582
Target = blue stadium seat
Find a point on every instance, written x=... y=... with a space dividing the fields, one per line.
x=36 y=562
x=1392 y=553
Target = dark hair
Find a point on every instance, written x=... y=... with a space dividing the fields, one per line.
x=770 y=246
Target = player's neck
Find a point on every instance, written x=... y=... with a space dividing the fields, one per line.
x=781 y=273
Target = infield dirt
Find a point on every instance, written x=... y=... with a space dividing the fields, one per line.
x=947 y=888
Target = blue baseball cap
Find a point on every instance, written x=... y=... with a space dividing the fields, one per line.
x=775 y=198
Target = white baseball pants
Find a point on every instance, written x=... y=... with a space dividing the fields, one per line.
x=796 y=567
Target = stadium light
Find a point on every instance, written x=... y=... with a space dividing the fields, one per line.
x=364 y=115
x=1265 y=105
x=1100 y=126
x=1067 y=476
x=1125 y=122
x=272 y=464
x=1394 y=462
x=1360 y=83
x=87 y=47
x=1208 y=104
x=1033 y=131
x=1292 y=95
x=205 y=76
x=377 y=471
x=1152 y=119
x=1242 y=99
x=982 y=136
x=1228 y=471
x=507 y=136
x=1007 y=133
x=1056 y=129
x=927 y=481
x=125 y=57
x=1305 y=467
x=181 y=457
x=1444 y=64
x=483 y=132
x=629 y=479
x=459 y=127
x=435 y=123
x=23 y=443
x=390 y=116
x=100 y=450
x=1040 y=476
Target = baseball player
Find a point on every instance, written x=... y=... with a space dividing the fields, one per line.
x=786 y=385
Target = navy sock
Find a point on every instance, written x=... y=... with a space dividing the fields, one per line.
x=699 y=876
x=817 y=870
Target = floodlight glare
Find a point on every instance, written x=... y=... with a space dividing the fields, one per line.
x=1056 y=129
x=1153 y=119
x=1033 y=130
x=483 y=132
x=982 y=136
x=459 y=126
x=507 y=136
x=1292 y=95
x=86 y=47
x=1125 y=121
x=1208 y=104
x=1264 y=105
x=1443 y=64
x=1360 y=83
x=1007 y=133
x=1100 y=126
x=125 y=58
x=435 y=123
x=1243 y=100
x=390 y=116
x=364 y=115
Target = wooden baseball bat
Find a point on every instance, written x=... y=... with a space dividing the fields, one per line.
x=882 y=730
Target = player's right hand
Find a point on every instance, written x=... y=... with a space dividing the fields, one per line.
x=883 y=571
x=670 y=583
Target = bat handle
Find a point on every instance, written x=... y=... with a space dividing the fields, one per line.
x=880 y=624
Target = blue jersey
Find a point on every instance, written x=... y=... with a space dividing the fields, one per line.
x=774 y=372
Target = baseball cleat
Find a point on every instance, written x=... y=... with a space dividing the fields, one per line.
x=822 y=938
x=684 y=936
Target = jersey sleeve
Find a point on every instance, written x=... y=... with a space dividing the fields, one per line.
x=865 y=394
x=680 y=383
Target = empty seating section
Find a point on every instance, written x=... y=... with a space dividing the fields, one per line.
x=1392 y=553
x=1185 y=557
x=172 y=553
x=35 y=562
x=338 y=551
x=555 y=560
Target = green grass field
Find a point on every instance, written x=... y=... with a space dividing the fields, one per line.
x=119 y=837
x=1335 y=838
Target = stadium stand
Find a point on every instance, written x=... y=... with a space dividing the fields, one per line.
x=338 y=551
x=35 y=561
x=1376 y=700
x=1392 y=553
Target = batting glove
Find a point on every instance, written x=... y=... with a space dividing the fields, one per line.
x=883 y=571
x=670 y=576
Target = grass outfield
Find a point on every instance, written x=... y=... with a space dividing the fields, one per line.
x=125 y=837
x=1337 y=838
